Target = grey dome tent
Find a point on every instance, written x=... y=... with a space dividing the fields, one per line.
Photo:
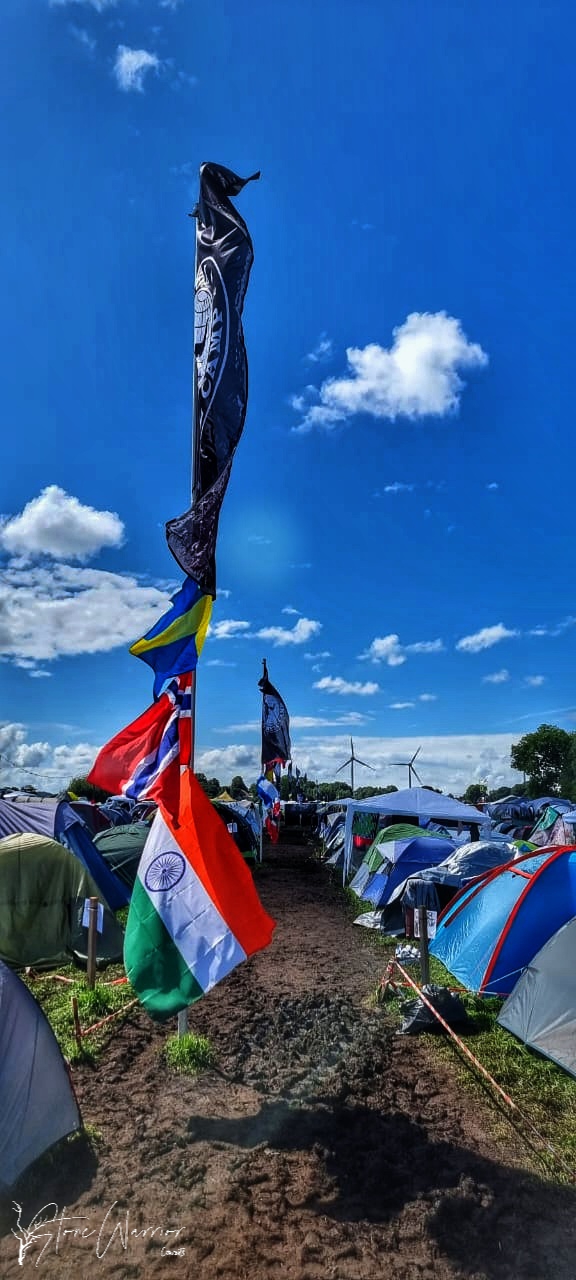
x=541 y=1010
x=38 y=1103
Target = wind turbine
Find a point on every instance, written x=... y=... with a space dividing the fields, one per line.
x=409 y=765
x=353 y=759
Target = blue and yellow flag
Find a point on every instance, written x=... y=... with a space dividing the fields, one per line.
x=174 y=644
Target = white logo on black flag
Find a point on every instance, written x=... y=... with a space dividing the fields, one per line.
x=276 y=747
x=224 y=257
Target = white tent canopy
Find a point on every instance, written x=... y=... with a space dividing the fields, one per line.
x=412 y=802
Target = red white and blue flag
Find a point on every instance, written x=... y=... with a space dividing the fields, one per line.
x=143 y=761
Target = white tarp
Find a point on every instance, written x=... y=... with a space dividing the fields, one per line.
x=412 y=802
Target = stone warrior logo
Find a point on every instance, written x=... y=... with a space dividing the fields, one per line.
x=211 y=331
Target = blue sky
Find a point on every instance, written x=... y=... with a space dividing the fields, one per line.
x=400 y=497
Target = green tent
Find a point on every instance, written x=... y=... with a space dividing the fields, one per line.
x=398 y=831
x=43 y=890
x=121 y=847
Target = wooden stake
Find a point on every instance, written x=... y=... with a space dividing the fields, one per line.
x=424 y=956
x=76 y=1017
x=92 y=940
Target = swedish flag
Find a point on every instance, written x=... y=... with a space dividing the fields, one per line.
x=173 y=645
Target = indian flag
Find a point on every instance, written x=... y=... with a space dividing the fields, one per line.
x=194 y=914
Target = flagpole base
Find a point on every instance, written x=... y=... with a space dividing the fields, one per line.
x=182 y=1023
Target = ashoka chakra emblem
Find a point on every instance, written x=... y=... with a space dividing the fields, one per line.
x=165 y=870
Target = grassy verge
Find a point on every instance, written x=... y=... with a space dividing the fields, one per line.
x=543 y=1092
x=188 y=1054
x=93 y=1004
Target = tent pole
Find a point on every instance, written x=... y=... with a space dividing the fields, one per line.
x=183 y=1014
x=424 y=955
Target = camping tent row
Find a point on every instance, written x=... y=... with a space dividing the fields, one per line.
x=512 y=933
x=417 y=805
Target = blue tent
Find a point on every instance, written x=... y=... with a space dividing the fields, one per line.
x=388 y=863
x=492 y=930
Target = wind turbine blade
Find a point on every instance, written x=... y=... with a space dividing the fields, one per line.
x=414 y=756
x=344 y=766
x=398 y=764
x=363 y=763
x=417 y=775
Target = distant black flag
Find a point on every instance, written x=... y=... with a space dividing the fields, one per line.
x=276 y=747
x=224 y=257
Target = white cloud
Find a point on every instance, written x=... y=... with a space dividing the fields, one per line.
x=227 y=629
x=49 y=613
x=28 y=664
x=289 y=609
x=301 y=722
x=535 y=682
x=131 y=66
x=389 y=649
x=485 y=638
x=425 y=646
x=323 y=350
x=98 y=5
x=385 y=649
x=317 y=657
x=39 y=763
x=400 y=706
x=416 y=377
x=493 y=486
x=259 y=540
x=450 y=762
x=300 y=633
x=427 y=697
x=555 y=630
x=335 y=684
x=56 y=524
x=497 y=677
x=83 y=37
x=398 y=487
x=217 y=662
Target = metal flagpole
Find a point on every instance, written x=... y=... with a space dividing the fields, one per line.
x=194 y=468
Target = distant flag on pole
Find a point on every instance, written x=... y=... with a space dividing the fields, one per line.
x=195 y=913
x=174 y=644
x=276 y=747
x=143 y=760
x=224 y=256
x=270 y=797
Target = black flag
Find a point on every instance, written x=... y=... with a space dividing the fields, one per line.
x=224 y=257
x=276 y=747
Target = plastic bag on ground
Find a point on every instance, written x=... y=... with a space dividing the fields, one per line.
x=417 y=1016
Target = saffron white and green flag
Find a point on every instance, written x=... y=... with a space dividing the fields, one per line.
x=195 y=913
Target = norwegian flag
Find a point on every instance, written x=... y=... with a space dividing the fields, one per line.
x=144 y=760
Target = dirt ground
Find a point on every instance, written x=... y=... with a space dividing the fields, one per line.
x=323 y=1146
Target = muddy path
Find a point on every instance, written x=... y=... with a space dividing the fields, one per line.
x=322 y=1146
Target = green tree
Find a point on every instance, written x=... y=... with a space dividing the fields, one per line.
x=476 y=792
x=211 y=786
x=362 y=793
x=238 y=789
x=86 y=790
x=544 y=756
x=568 y=778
